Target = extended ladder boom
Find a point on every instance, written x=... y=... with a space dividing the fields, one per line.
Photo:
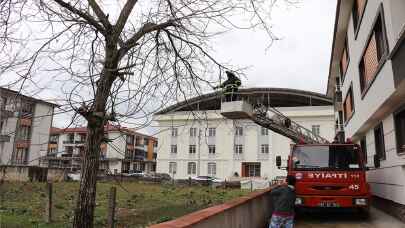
x=277 y=123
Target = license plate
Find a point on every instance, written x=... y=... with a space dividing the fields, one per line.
x=328 y=204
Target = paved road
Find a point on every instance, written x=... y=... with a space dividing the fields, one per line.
x=319 y=219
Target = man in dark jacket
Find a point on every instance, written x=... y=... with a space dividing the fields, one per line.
x=283 y=198
x=230 y=86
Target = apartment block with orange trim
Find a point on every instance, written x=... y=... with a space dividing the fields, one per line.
x=24 y=128
x=125 y=150
x=367 y=83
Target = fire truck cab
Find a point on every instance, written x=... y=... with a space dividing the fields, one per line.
x=329 y=175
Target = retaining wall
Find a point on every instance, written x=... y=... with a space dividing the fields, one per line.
x=252 y=211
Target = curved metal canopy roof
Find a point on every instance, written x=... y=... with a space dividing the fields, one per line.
x=275 y=97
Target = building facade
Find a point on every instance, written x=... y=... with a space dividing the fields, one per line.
x=366 y=81
x=125 y=151
x=25 y=124
x=196 y=140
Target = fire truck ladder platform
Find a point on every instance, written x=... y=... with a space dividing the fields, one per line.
x=278 y=122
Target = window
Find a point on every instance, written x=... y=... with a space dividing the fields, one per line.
x=379 y=142
x=130 y=139
x=71 y=137
x=344 y=61
x=191 y=168
x=211 y=131
x=69 y=149
x=145 y=141
x=21 y=156
x=24 y=133
x=211 y=149
x=264 y=148
x=172 y=167
x=138 y=140
x=348 y=105
x=191 y=149
x=264 y=131
x=239 y=131
x=212 y=169
x=174 y=132
x=53 y=151
x=316 y=129
x=173 y=149
x=399 y=119
x=374 y=55
x=238 y=149
x=251 y=169
x=363 y=144
x=193 y=132
x=357 y=12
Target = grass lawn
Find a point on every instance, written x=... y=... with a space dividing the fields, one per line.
x=138 y=204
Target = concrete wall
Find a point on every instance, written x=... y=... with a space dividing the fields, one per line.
x=31 y=173
x=226 y=161
x=380 y=101
x=253 y=211
x=41 y=125
x=6 y=148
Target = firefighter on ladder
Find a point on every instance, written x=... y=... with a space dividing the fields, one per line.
x=230 y=86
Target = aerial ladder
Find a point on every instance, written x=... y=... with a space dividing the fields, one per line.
x=272 y=119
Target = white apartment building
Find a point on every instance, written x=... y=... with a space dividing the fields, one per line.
x=25 y=123
x=196 y=140
x=366 y=79
x=125 y=151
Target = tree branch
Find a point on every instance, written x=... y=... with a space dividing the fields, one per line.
x=122 y=19
x=83 y=15
x=100 y=14
x=146 y=28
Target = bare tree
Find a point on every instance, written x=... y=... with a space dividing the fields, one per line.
x=118 y=61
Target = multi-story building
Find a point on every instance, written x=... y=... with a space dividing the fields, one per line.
x=195 y=139
x=24 y=128
x=366 y=80
x=125 y=150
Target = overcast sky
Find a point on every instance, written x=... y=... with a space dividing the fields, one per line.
x=300 y=60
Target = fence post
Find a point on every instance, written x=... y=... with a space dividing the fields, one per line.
x=111 y=208
x=48 y=207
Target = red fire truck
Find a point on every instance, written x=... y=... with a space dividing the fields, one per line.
x=329 y=175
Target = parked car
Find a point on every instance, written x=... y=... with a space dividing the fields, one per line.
x=162 y=176
x=74 y=176
x=207 y=179
x=136 y=173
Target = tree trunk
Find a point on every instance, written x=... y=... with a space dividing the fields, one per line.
x=96 y=120
x=84 y=211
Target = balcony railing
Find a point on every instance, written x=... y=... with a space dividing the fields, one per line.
x=4 y=138
x=6 y=114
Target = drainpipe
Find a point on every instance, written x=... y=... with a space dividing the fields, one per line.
x=199 y=152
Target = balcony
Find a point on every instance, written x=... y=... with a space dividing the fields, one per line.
x=23 y=143
x=6 y=114
x=4 y=138
x=25 y=122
